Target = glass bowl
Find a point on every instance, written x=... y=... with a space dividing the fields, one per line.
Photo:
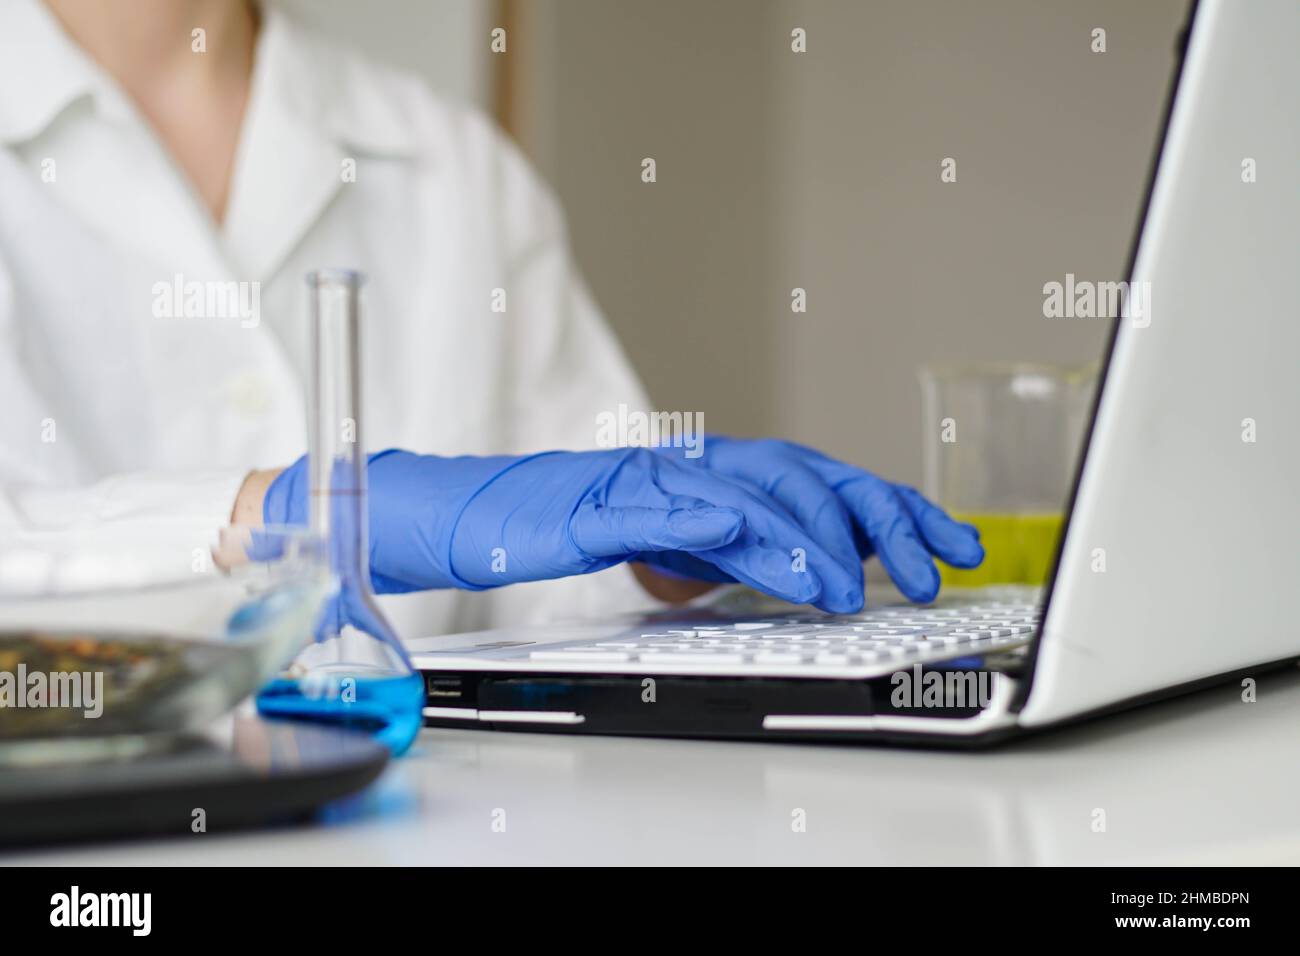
x=105 y=647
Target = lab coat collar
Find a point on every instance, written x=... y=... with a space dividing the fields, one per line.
x=312 y=106
x=314 y=111
x=42 y=72
x=329 y=88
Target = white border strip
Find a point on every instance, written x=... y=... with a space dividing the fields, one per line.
x=532 y=716
x=452 y=713
x=995 y=715
x=506 y=716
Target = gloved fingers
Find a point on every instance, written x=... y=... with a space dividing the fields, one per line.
x=819 y=510
x=686 y=565
x=606 y=531
x=787 y=558
x=778 y=469
x=748 y=561
x=801 y=550
x=955 y=542
x=893 y=534
x=770 y=553
x=765 y=568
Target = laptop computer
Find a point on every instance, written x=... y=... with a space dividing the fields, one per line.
x=1186 y=481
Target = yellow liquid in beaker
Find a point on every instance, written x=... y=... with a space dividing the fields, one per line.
x=1018 y=549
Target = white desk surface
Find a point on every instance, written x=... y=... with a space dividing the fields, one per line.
x=1203 y=779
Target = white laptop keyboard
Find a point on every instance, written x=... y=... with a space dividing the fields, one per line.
x=882 y=638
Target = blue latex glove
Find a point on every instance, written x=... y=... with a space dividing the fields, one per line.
x=483 y=522
x=851 y=513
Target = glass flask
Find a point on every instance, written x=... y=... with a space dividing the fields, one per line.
x=356 y=673
x=1001 y=442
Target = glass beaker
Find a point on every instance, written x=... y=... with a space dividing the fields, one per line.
x=357 y=673
x=1000 y=445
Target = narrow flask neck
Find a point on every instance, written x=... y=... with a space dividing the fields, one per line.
x=336 y=454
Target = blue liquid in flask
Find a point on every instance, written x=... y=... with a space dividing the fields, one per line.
x=387 y=708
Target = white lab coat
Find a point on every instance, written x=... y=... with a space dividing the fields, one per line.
x=120 y=420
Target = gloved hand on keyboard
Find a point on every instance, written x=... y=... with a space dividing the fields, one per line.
x=477 y=523
x=748 y=511
x=849 y=512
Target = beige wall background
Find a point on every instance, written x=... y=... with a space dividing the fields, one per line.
x=821 y=170
x=818 y=170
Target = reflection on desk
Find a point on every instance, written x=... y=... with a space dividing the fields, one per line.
x=1206 y=778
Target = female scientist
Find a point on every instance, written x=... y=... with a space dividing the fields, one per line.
x=152 y=147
